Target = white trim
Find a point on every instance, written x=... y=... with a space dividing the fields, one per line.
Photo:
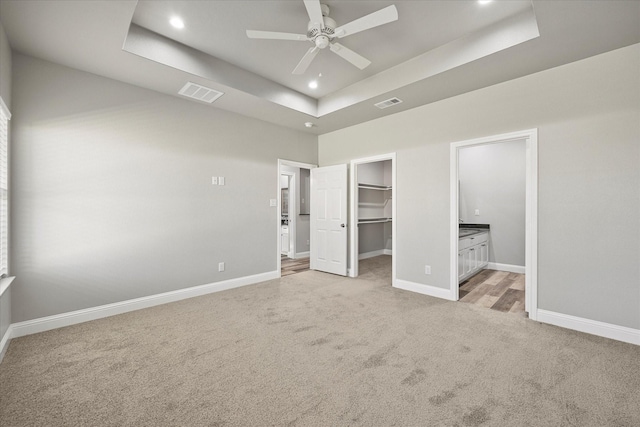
x=419 y=288
x=520 y=269
x=353 y=216
x=4 y=283
x=4 y=343
x=66 y=319
x=372 y=254
x=300 y=255
x=5 y=108
x=594 y=327
x=531 y=221
x=282 y=162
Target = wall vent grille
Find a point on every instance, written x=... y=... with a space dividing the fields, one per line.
x=201 y=93
x=388 y=103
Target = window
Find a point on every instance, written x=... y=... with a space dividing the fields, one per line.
x=4 y=188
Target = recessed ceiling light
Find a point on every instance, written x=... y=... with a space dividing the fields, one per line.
x=176 y=22
x=309 y=124
x=313 y=84
x=484 y=1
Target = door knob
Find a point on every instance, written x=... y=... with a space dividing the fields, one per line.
x=342 y=225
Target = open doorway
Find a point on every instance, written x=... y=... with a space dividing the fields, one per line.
x=293 y=224
x=494 y=222
x=491 y=206
x=373 y=211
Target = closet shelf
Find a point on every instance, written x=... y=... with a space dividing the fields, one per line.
x=374 y=187
x=374 y=204
x=373 y=220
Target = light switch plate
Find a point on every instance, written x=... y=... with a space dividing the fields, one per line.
x=272 y=203
x=221 y=180
x=214 y=180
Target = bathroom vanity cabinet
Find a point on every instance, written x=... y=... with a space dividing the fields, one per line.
x=473 y=254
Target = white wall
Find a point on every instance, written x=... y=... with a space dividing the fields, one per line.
x=587 y=114
x=493 y=181
x=113 y=197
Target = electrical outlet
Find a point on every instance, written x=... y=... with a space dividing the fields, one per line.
x=427 y=269
x=307 y=242
x=214 y=180
x=221 y=266
x=477 y=212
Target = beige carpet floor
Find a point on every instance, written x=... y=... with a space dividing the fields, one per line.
x=314 y=349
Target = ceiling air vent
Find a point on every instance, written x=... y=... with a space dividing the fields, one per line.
x=200 y=93
x=388 y=103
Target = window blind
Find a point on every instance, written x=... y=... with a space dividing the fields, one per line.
x=4 y=188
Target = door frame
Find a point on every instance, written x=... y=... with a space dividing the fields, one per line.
x=283 y=162
x=291 y=177
x=530 y=137
x=353 y=210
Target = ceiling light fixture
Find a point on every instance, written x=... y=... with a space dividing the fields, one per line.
x=309 y=124
x=484 y=1
x=176 y=22
x=313 y=84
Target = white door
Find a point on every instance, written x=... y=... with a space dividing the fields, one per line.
x=329 y=219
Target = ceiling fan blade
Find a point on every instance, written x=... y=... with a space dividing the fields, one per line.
x=273 y=35
x=315 y=12
x=381 y=17
x=346 y=53
x=306 y=60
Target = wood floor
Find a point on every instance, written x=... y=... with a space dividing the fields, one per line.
x=497 y=290
x=293 y=266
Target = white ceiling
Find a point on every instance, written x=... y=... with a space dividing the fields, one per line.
x=89 y=36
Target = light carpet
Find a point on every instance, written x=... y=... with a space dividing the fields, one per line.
x=315 y=349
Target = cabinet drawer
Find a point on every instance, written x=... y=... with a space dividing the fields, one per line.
x=464 y=243
x=478 y=238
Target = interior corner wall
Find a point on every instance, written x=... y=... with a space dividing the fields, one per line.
x=112 y=194
x=5 y=68
x=587 y=116
x=5 y=94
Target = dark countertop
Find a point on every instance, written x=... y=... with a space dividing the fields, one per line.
x=466 y=230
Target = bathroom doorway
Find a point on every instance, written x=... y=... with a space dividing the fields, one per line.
x=293 y=214
x=494 y=222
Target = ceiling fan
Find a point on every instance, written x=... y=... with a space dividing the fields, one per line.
x=322 y=31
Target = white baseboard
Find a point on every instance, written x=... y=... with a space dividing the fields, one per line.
x=372 y=254
x=506 y=267
x=66 y=319
x=4 y=343
x=594 y=327
x=302 y=255
x=432 y=291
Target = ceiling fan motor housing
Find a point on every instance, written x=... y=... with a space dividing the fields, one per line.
x=321 y=36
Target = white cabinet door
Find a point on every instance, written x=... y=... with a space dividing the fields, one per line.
x=284 y=241
x=329 y=219
x=461 y=272
x=483 y=254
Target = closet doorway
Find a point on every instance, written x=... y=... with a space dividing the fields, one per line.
x=372 y=211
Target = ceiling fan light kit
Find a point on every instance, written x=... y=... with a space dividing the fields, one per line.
x=322 y=30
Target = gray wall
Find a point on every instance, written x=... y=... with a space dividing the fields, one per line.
x=5 y=68
x=493 y=180
x=5 y=93
x=113 y=197
x=587 y=114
